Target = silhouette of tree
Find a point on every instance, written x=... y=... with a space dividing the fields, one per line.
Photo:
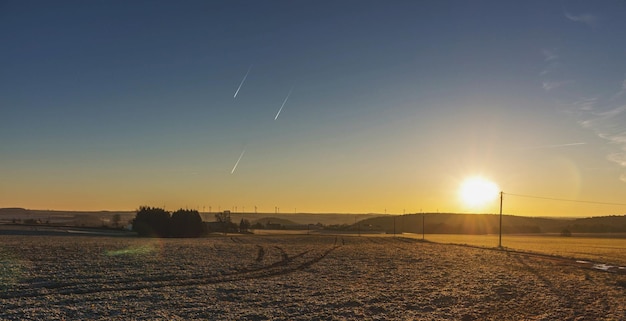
x=151 y=221
x=244 y=225
x=186 y=223
x=225 y=223
x=566 y=232
x=223 y=217
x=116 y=219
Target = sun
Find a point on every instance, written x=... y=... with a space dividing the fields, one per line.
x=478 y=191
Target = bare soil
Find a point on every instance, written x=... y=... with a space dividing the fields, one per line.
x=293 y=277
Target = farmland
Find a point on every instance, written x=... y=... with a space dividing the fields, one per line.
x=597 y=248
x=293 y=277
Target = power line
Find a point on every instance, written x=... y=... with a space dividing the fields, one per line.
x=564 y=200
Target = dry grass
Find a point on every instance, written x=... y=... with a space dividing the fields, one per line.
x=296 y=277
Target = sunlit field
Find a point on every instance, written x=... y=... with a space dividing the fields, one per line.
x=293 y=277
x=597 y=249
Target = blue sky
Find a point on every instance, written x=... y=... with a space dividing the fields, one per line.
x=116 y=104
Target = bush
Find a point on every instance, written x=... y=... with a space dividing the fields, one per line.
x=151 y=221
x=186 y=223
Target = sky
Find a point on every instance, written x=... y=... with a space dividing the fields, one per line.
x=313 y=106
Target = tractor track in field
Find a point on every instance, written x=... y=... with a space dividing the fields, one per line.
x=287 y=264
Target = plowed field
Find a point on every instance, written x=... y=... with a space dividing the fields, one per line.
x=294 y=277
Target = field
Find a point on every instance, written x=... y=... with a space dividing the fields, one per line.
x=294 y=277
x=598 y=248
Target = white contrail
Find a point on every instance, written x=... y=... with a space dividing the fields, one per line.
x=284 y=102
x=237 y=163
x=242 y=81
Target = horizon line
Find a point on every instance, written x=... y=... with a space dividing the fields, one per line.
x=319 y=213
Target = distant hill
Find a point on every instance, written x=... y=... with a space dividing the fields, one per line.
x=298 y=218
x=89 y=218
x=448 y=223
x=66 y=218
x=604 y=224
x=440 y=223
x=274 y=220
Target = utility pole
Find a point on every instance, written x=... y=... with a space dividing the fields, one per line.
x=394 y=226
x=500 y=236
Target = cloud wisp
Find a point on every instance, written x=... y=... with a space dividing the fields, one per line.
x=602 y=113
x=607 y=119
x=551 y=71
x=554 y=146
x=585 y=18
x=550 y=55
x=550 y=85
x=620 y=93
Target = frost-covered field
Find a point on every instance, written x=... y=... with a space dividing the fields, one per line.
x=293 y=277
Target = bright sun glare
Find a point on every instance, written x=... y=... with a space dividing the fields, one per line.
x=477 y=191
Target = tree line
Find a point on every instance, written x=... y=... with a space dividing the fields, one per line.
x=157 y=222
